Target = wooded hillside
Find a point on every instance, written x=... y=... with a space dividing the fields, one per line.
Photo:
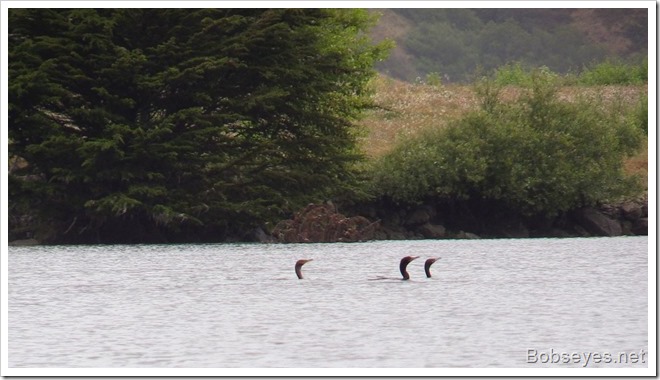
x=455 y=43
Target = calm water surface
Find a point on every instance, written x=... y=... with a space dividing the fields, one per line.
x=489 y=303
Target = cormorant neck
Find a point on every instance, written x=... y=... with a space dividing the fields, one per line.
x=427 y=266
x=402 y=268
x=299 y=265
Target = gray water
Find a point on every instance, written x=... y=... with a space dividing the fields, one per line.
x=491 y=303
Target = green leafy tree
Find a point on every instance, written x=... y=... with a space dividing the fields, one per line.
x=181 y=124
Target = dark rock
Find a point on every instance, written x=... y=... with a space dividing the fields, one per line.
x=466 y=235
x=391 y=219
x=611 y=211
x=404 y=221
x=626 y=227
x=580 y=231
x=392 y=233
x=432 y=231
x=631 y=211
x=24 y=242
x=511 y=229
x=553 y=232
x=380 y=234
x=419 y=216
x=641 y=227
x=558 y=232
x=597 y=223
x=321 y=223
x=412 y=235
x=396 y=235
x=260 y=236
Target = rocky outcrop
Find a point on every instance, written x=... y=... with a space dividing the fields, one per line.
x=466 y=235
x=641 y=227
x=24 y=242
x=631 y=211
x=258 y=235
x=597 y=223
x=513 y=228
x=434 y=220
x=437 y=220
x=419 y=216
x=321 y=223
x=432 y=231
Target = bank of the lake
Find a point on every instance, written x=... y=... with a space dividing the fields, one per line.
x=437 y=219
x=403 y=110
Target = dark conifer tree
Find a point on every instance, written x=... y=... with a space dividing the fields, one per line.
x=138 y=125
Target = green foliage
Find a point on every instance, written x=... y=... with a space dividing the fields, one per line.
x=615 y=72
x=512 y=74
x=186 y=124
x=640 y=115
x=433 y=79
x=517 y=75
x=636 y=114
x=536 y=156
x=606 y=73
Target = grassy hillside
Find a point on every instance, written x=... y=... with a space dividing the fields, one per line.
x=404 y=109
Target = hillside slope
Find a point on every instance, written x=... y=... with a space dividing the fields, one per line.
x=457 y=42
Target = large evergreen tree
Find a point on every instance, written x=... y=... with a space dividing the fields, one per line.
x=181 y=124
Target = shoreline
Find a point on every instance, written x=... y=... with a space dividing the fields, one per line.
x=431 y=220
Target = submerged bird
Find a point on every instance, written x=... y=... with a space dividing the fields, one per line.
x=427 y=265
x=402 y=268
x=299 y=265
x=404 y=263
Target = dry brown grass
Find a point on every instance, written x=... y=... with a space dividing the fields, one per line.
x=639 y=164
x=404 y=108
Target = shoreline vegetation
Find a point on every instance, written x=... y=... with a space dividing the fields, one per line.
x=404 y=110
x=119 y=132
